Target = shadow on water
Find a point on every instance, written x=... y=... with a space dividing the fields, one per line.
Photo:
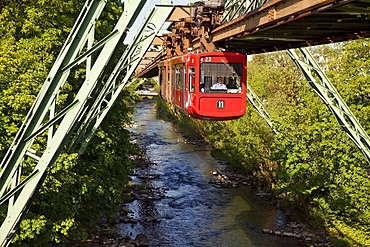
x=194 y=212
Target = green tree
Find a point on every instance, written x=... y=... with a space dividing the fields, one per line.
x=76 y=191
x=311 y=162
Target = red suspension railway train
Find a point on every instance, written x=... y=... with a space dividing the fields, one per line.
x=206 y=86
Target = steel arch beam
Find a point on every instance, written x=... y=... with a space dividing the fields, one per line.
x=332 y=99
x=18 y=192
x=126 y=67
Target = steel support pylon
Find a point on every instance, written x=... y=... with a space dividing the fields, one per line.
x=332 y=99
x=330 y=96
x=127 y=64
x=258 y=105
x=44 y=113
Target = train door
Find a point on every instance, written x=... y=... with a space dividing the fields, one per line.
x=190 y=88
x=163 y=82
x=170 y=82
x=183 y=85
x=191 y=73
x=177 y=85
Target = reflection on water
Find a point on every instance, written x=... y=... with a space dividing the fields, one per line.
x=195 y=213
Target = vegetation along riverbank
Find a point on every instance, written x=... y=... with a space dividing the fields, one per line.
x=77 y=191
x=311 y=163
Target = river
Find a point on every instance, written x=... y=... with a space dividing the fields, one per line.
x=193 y=211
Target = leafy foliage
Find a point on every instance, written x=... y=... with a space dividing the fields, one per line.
x=311 y=162
x=320 y=170
x=77 y=190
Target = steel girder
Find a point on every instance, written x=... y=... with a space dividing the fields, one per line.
x=236 y=8
x=329 y=95
x=17 y=187
x=127 y=64
x=12 y=189
x=258 y=105
x=332 y=99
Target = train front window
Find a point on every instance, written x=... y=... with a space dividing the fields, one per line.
x=221 y=77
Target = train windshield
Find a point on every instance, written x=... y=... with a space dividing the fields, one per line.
x=221 y=77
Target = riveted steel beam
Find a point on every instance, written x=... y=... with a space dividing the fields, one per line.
x=126 y=66
x=44 y=104
x=17 y=187
x=332 y=99
x=258 y=105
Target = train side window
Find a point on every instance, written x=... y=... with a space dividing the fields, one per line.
x=191 y=79
x=169 y=77
x=182 y=77
x=173 y=77
x=160 y=76
x=178 y=78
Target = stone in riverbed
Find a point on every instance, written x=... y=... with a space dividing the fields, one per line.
x=142 y=240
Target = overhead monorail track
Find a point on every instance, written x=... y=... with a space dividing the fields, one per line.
x=286 y=24
x=201 y=28
x=280 y=25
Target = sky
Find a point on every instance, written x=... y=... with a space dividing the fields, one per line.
x=148 y=5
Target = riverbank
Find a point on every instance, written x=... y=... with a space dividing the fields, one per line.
x=258 y=180
x=181 y=196
x=107 y=232
x=291 y=229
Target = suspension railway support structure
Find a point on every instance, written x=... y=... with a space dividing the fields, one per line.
x=332 y=99
x=253 y=27
x=77 y=122
x=245 y=26
x=259 y=26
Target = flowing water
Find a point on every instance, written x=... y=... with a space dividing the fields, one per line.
x=193 y=211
